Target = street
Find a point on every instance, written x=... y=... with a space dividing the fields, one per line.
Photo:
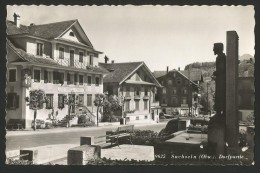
x=68 y=137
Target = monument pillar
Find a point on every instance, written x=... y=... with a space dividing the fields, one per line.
x=232 y=126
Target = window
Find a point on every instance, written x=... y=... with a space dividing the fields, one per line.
x=97 y=81
x=174 y=91
x=127 y=105
x=89 y=80
x=12 y=75
x=163 y=101
x=58 y=78
x=174 y=101
x=169 y=82
x=71 y=34
x=68 y=79
x=39 y=49
x=49 y=103
x=178 y=81
x=37 y=75
x=47 y=76
x=184 y=91
x=174 y=74
x=146 y=91
x=81 y=99
x=61 y=53
x=60 y=101
x=164 y=90
x=81 y=79
x=89 y=100
x=184 y=100
x=81 y=57
x=137 y=91
x=136 y=105
x=127 y=91
x=90 y=59
x=12 y=101
x=72 y=58
x=75 y=79
x=145 y=104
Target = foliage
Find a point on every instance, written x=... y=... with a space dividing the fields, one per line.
x=48 y=125
x=18 y=162
x=242 y=141
x=87 y=124
x=82 y=119
x=251 y=117
x=142 y=137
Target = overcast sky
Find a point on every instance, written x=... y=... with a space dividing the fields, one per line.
x=160 y=36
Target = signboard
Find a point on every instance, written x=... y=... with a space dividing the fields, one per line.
x=70 y=89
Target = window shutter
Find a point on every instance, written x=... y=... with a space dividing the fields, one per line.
x=17 y=101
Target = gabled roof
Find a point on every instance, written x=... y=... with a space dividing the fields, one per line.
x=47 y=31
x=119 y=72
x=39 y=60
x=195 y=75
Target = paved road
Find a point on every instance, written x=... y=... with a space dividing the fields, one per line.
x=68 y=137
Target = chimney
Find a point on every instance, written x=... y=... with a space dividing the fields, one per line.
x=106 y=59
x=179 y=69
x=113 y=61
x=167 y=69
x=17 y=20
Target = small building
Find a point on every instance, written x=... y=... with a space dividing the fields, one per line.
x=179 y=94
x=57 y=58
x=137 y=85
x=246 y=97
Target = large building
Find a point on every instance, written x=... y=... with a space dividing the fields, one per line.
x=138 y=86
x=246 y=97
x=57 y=58
x=179 y=94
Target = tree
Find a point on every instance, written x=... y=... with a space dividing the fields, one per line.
x=70 y=101
x=35 y=101
x=99 y=102
x=112 y=103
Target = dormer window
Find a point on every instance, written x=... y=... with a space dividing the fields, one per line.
x=71 y=34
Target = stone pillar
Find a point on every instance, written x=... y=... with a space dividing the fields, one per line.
x=232 y=128
x=82 y=154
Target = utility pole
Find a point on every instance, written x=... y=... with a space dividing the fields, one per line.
x=189 y=91
x=207 y=97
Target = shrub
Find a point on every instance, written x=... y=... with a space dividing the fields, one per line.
x=242 y=138
x=18 y=162
x=82 y=119
x=161 y=114
x=48 y=125
x=142 y=137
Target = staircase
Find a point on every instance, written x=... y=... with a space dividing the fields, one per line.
x=65 y=120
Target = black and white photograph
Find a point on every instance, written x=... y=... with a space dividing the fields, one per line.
x=130 y=85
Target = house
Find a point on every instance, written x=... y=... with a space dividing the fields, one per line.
x=57 y=58
x=179 y=94
x=246 y=97
x=137 y=85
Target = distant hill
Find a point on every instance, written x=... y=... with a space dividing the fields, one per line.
x=246 y=67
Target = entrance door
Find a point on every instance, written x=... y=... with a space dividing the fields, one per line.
x=72 y=58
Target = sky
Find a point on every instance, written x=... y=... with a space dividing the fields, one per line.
x=160 y=36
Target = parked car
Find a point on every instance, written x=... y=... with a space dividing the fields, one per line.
x=40 y=124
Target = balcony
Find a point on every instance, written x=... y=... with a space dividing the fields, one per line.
x=137 y=97
x=127 y=97
x=155 y=104
x=74 y=64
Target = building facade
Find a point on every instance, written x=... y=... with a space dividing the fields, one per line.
x=138 y=87
x=179 y=94
x=57 y=58
x=246 y=97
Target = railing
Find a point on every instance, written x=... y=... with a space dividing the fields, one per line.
x=74 y=64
